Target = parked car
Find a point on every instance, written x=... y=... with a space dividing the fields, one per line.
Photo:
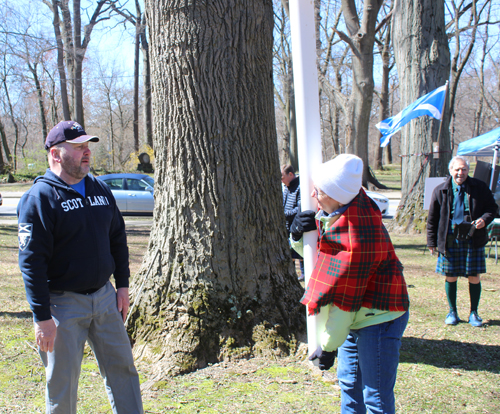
x=133 y=192
x=381 y=200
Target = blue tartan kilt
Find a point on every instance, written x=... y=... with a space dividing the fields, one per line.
x=461 y=259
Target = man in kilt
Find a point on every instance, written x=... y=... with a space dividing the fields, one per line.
x=461 y=208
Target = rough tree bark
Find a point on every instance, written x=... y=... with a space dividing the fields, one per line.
x=222 y=283
x=423 y=61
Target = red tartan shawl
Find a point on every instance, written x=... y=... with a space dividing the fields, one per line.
x=357 y=265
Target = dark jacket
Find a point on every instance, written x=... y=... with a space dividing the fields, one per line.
x=67 y=242
x=291 y=201
x=481 y=205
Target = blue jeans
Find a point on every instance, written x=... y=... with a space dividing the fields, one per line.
x=367 y=367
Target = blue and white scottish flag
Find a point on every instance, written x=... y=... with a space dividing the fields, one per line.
x=430 y=104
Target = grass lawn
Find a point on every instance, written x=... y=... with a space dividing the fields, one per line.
x=443 y=369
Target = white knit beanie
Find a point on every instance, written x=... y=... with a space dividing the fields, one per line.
x=340 y=178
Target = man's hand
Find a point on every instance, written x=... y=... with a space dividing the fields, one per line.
x=479 y=223
x=45 y=334
x=123 y=301
x=432 y=249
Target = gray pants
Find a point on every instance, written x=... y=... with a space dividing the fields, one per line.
x=94 y=318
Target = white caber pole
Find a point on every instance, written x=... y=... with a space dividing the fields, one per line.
x=305 y=79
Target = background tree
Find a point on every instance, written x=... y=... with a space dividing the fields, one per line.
x=222 y=282
x=331 y=66
x=361 y=39
x=283 y=81
x=34 y=51
x=385 y=49
x=73 y=42
x=7 y=70
x=458 y=12
x=141 y=43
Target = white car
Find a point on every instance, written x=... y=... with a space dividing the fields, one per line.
x=381 y=200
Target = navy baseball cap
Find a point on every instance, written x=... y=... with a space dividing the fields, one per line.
x=68 y=131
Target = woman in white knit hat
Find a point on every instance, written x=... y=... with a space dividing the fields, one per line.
x=359 y=279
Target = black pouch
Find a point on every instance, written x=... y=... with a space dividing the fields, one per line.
x=464 y=231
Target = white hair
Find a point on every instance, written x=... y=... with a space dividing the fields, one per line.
x=458 y=157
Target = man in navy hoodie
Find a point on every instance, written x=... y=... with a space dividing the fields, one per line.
x=71 y=240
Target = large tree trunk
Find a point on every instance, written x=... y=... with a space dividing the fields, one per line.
x=222 y=283
x=423 y=60
x=361 y=40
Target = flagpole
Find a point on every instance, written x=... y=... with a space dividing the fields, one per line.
x=305 y=79
x=442 y=114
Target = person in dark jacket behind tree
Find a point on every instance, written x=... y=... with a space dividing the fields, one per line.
x=291 y=204
x=455 y=204
x=71 y=240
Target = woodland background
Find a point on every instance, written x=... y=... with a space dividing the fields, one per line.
x=103 y=48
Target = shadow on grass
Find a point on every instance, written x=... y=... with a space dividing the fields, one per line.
x=20 y=315
x=451 y=354
x=138 y=232
x=417 y=246
x=10 y=230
